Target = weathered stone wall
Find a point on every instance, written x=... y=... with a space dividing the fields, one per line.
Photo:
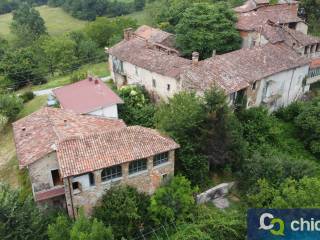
x=40 y=172
x=145 y=181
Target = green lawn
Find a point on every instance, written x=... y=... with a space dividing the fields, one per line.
x=57 y=22
x=9 y=171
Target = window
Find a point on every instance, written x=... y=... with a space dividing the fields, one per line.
x=91 y=179
x=137 y=73
x=164 y=178
x=75 y=185
x=111 y=173
x=168 y=87
x=56 y=179
x=137 y=166
x=160 y=159
x=233 y=97
x=265 y=90
x=254 y=86
x=154 y=83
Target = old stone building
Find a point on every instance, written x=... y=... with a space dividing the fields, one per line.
x=72 y=159
x=277 y=64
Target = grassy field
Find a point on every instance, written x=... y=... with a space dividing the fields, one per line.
x=9 y=171
x=57 y=22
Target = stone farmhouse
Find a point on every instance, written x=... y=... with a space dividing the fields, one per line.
x=277 y=64
x=90 y=96
x=72 y=159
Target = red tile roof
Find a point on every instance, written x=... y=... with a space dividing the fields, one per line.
x=86 y=96
x=85 y=154
x=51 y=193
x=281 y=13
x=236 y=70
x=155 y=35
x=37 y=134
x=315 y=63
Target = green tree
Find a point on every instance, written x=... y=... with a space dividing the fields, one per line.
x=301 y=193
x=215 y=30
x=20 y=219
x=82 y=229
x=308 y=123
x=312 y=14
x=27 y=24
x=58 y=53
x=173 y=201
x=139 y=4
x=10 y=106
x=104 y=30
x=21 y=67
x=137 y=108
x=124 y=209
x=275 y=168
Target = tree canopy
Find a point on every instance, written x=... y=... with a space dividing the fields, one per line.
x=205 y=27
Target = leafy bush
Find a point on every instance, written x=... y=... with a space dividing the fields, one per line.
x=137 y=108
x=173 y=201
x=308 y=123
x=301 y=193
x=124 y=209
x=275 y=168
x=290 y=112
x=10 y=106
x=82 y=228
x=258 y=126
x=27 y=96
x=20 y=219
x=78 y=76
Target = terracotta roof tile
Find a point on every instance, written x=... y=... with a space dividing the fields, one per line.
x=155 y=35
x=51 y=193
x=37 y=134
x=315 y=63
x=86 y=96
x=85 y=154
x=281 y=13
x=236 y=70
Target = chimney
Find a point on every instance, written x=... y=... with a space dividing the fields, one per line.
x=96 y=81
x=195 y=58
x=90 y=78
x=128 y=32
x=214 y=52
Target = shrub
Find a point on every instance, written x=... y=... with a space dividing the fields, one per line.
x=124 y=209
x=78 y=76
x=27 y=96
x=173 y=201
x=258 y=126
x=290 y=112
x=275 y=167
x=3 y=122
x=10 y=106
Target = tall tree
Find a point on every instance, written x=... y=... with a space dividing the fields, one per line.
x=205 y=27
x=27 y=24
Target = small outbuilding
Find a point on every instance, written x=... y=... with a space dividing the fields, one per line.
x=90 y=96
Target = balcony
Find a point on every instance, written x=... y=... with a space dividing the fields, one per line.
x=49 y=193
x=313 y=76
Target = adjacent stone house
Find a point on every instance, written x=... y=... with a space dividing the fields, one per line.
x=72 y=159
x=276 y=65
x=90 y=96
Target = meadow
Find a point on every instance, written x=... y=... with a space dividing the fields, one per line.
x=57 y=22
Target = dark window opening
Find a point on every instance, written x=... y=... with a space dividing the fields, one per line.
x=154 y=83
x=292 y=25
x=56 y=179
x=168 y=87
x=160 y=158
x=137 y=166
x=111 y=173
x=91 y=179
x=254 y=86
x=75 y=185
